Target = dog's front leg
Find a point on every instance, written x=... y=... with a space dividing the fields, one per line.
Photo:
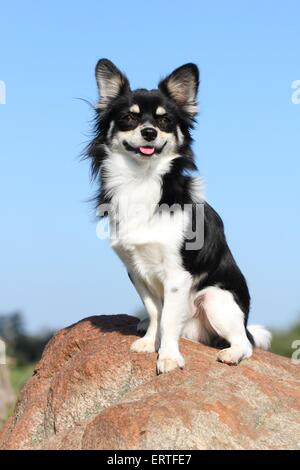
x=175 y=311
x=153 y=305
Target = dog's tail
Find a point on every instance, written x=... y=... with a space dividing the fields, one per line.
x=261 y=336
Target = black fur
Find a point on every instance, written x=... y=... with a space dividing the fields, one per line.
x=214 y=258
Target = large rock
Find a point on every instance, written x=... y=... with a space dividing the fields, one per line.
x=90 y=392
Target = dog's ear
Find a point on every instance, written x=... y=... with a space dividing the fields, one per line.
x=182 y=86
x=111 y=82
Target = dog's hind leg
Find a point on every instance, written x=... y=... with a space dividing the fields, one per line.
x=227 y=321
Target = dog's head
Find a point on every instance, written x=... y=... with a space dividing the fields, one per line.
x=144 y=124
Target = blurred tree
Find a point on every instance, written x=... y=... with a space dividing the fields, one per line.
x=28 y=349
x=23 y=347
x=11 y=326
x=7 y=396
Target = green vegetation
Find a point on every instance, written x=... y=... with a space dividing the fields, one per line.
x=23 y=350
x=18 y=377
x=20 y=374
x=283 y=340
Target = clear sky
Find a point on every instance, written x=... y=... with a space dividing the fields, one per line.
x=52 y=266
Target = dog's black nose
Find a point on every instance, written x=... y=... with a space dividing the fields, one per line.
x=149 y=133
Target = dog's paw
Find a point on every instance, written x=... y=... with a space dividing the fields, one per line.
x=142 y=326
x=166 y=363
x=143 y=345
x=233 y=355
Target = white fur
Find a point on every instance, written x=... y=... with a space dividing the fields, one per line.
x=160 y=111
x=134 y=138
x=134 y=109
x=141 y=237
x=262 y=337
x=180 y=135
x=217 y=312
x=153 y=304
x=197 y=189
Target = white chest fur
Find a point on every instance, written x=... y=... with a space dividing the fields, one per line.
x=147 y=240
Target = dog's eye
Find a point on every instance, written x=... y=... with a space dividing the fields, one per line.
x=129 y=118
x=164 y=122
x=128 y=121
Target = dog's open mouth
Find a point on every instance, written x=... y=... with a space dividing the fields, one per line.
x=145 y=151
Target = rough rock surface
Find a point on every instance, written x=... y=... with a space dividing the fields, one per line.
x=90 y=392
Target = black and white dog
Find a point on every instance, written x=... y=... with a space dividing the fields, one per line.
x=142 y=156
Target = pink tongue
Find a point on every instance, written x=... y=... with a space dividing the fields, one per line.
x=147 y=150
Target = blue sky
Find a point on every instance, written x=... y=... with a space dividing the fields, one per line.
x=52 y=265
